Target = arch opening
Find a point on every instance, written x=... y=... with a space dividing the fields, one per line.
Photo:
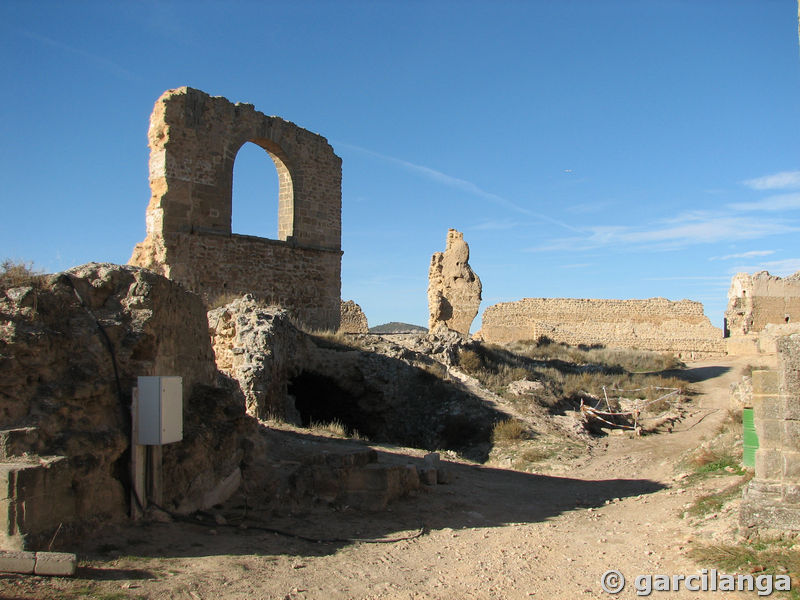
x=262 y=195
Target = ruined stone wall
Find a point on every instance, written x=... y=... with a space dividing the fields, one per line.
x=194 y=139
x=353 y=319
x=772 y=499
x=754 y=301
x=655 y=324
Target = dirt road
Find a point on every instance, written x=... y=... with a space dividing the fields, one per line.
x=492 y=533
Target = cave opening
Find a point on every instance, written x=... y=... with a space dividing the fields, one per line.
x=321 y=400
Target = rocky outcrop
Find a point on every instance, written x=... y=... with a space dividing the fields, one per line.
x=382 y=390
x=454 y=290
x=71 y=347
x=261 y=349
x=353 y=319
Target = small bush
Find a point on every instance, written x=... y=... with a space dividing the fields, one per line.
x=470 y=361
x=509 y=430
x=17 y=274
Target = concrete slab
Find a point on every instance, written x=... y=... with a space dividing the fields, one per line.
x=58 y=564
x=17 y=562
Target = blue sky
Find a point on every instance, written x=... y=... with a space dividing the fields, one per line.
x=586 y=148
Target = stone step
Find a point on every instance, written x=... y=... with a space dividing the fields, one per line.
x=19 y=441
x=36 y=496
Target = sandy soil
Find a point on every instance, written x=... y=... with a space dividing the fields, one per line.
x=491 y=533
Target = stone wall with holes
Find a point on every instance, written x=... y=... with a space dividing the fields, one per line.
x=194 y=139
x=760 y=307
x=772 y=498
x=655 y=324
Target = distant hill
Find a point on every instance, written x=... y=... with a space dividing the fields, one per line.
x=395 y=327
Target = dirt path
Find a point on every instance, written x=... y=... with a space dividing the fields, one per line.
x=492 y=533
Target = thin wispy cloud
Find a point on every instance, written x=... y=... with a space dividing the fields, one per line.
x=784 y=267
x=772 y=204
x=100 y=62
x=785 y=180
x=751 y=254
x=688 y=278
x=459 y=184
x=689 y=229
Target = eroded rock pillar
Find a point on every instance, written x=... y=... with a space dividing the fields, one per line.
x=454 y=290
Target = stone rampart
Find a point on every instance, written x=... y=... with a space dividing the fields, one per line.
x=655 y=324
x=194 y=139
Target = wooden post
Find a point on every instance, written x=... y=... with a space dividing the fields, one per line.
x=155 y=475
x=138 y=463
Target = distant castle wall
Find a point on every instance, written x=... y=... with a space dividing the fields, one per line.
x=655 y=324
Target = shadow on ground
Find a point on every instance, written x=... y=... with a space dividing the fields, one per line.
x=477 y=497
x=698 y=374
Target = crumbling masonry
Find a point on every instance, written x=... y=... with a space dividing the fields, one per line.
x=194 y=139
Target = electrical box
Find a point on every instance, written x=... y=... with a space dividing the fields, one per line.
x=159 y=418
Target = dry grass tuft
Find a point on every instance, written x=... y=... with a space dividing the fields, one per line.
x=510 y=430
x=18 y=274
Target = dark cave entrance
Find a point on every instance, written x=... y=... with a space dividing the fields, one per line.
x=319 y=399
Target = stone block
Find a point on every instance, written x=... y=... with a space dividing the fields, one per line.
x=428 y=476
x=57 y=564
x=791 y=467
x=372 y=478
x=766 y=383
x=769 y=464
x=767 y=407
x=791 y=435
x=764 y=489
x=16 y=442
x=17 y=562
x=444 y=476
x=431 y=460
x=791 y=407
x=770 y=433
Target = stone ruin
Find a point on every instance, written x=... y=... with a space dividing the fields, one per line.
x=761 y=308
x=353 y=319
x=656 y=324
x=454 y=290
x=771 y=502
x=73 y=345
x=194 y=139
